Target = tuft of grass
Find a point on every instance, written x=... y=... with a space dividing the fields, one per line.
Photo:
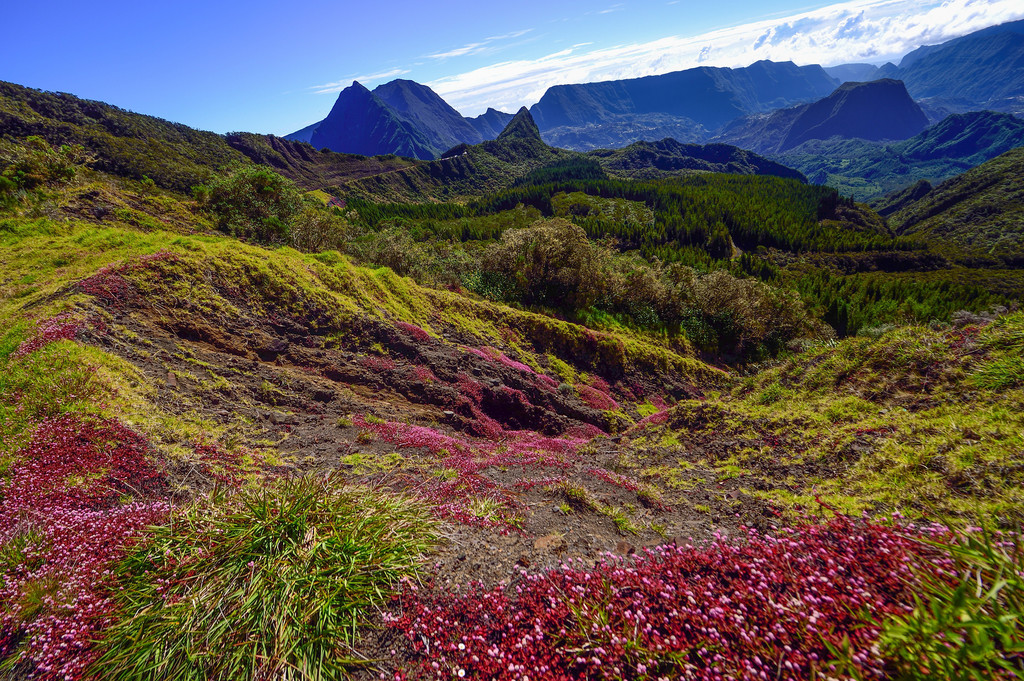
x=263 y=583
x=969 y=627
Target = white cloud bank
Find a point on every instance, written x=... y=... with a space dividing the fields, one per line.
x=859 y=31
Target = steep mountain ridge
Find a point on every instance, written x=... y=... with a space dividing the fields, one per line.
x=362 y=123
x=521 y=127
x=982 y=70
x=876 y=110
x=398 y=117
x=440 y=123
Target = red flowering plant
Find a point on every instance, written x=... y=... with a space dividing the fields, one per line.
x=764 y=607
x=73 y=498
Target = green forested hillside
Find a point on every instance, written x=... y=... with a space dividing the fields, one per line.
x=977 y=216
x=174 y=156
x=868 y=170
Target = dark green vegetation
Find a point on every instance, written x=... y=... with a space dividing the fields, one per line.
x=974 y=217
x=651 y=160
x=850 y=268
x=867 y=170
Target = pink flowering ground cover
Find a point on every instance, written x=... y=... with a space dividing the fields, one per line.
x=761 y=608
x=458 y=497
x=490 y=354
x=61 y=327
x=73 y=498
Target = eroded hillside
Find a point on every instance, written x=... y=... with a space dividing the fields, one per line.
x=223 y=459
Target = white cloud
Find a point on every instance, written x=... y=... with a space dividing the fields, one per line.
x=339 y=85
x=471 y=48
x=477 y=48
x=509 y=36
x=854 y=31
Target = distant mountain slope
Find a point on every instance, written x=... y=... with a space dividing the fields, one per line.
x=490 y=123
x=868 y=170
x=360 y=122
x=467 y=170
x=440 y=123
x=877 y=110
x=982 y=70
x=846 y=73
x=914 y=56
x=619 y=131
x=706 y=96
x=650 y=160
x=399 y=117
x=979 y=213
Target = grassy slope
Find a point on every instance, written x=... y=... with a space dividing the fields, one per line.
x=157 y=325
x=978 y=213
x=924 y=422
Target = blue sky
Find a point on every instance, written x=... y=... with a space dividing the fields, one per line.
x=275 y=67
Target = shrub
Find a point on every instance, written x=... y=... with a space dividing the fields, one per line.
x=35 y=164
x=550 y=263
x=314 y=230
x=252 y=202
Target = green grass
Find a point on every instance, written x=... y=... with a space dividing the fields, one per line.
x=924 y=421
x=969 y=628
x=53 y=380
x=263 y=583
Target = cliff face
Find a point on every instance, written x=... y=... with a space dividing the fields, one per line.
x=878 y=110
x=705 y=95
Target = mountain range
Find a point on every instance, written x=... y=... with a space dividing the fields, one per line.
x=790 y=104
x=707 y=97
